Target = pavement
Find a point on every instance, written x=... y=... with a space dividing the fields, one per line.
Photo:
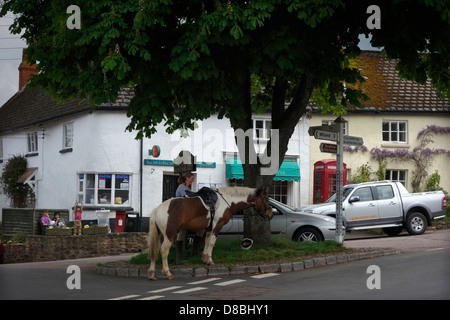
x=404 y=241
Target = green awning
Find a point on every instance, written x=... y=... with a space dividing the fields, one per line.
x=289 y=170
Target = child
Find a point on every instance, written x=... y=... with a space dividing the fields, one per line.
x=45 y=219
x=77 y=215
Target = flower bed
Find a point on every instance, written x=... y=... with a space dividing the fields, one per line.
x=95 y=230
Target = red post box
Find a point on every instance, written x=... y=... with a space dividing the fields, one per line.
x=325 y=179
x=120 y=221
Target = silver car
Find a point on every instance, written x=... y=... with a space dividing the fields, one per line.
x=287 y=223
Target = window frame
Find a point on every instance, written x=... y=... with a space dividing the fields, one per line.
x=32 y=142
x=89 y=189
x=266 y=133
x=391 y=131
x=389 y=175
x=65 y=144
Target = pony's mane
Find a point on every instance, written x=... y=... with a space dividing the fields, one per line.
x=237 y=191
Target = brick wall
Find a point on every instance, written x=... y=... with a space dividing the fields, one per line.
x=51 y=248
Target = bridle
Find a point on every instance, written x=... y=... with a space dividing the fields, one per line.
x=264 y=215
x=268 y=207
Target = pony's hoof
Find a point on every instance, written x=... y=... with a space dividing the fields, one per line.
x=151 y=276
x=170 y=277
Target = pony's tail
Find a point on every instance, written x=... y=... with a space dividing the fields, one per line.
x=153 y=238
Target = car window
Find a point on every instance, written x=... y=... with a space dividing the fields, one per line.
x=385 y=192
x=346 y=192
x=364 y=194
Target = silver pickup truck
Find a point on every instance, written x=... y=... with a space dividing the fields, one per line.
x=387 y=205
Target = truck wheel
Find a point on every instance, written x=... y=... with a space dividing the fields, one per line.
x=416 y=223
x=392 y=231
x=307 y=235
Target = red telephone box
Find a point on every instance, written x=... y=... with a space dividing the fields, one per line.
x=120 y=221
x=325 y=179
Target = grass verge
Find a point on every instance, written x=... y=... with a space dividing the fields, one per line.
x=230 y=252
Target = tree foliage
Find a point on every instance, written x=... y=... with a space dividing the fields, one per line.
x=189 y=59
x=18 y=192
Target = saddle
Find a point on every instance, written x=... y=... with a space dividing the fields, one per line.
x=208 y=197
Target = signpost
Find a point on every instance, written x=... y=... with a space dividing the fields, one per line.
x=339 y=236
x=326 y=135
x=336 y=133
x=329 y=148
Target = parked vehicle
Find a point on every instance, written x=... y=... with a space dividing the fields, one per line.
x=287 y=223
x=387 y=205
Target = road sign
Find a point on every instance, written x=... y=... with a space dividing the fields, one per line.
x=327 y=147
x=332 y=128
x=326 y=135
x=353 y=141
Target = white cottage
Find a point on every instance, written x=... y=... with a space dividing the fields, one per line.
x=79 y=152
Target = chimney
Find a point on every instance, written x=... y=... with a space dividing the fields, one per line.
x=25 y=70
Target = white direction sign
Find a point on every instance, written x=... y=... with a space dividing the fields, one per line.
x=353 y=141
x=325 y=135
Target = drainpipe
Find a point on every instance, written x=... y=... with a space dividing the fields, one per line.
x=141 y=156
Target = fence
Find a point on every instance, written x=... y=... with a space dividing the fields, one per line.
x=15 y=220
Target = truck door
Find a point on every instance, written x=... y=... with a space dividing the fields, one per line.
x=389 y=205
x=361 y=207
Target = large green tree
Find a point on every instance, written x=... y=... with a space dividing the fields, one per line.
x=189 y=59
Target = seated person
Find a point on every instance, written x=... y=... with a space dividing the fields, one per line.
x=58 y=221
x=45 y=221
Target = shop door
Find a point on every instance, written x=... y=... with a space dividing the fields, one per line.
x=170 y=185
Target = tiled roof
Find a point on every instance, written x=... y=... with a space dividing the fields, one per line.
x=387 y=92
x=30 y=107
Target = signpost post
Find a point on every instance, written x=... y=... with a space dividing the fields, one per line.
x=339 y=236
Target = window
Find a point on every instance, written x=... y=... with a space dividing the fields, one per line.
x=278 y=191
x=385 y=192
x=67 y=135
x=104 y=189
x=396 y=176
x=32 y=142
x=364 y=194
x=394 y=131
x=261 y=129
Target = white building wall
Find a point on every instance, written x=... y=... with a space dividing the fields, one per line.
x=102 y=146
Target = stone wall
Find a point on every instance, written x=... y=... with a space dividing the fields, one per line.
x=51 y=248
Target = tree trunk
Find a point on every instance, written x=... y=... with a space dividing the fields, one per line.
x=255 y=167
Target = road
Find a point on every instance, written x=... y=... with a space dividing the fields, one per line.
x=415 y=274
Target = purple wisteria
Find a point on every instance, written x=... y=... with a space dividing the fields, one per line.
x=421 y=156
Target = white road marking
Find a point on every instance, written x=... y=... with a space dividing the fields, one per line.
x=265 y=275
x=164 y=289
x=204 y=281
x=227 y=283
x=191 y=290
x=126 y=297
x=151 y=298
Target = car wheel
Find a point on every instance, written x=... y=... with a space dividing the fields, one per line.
x=416 y=223
x=308 y=235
